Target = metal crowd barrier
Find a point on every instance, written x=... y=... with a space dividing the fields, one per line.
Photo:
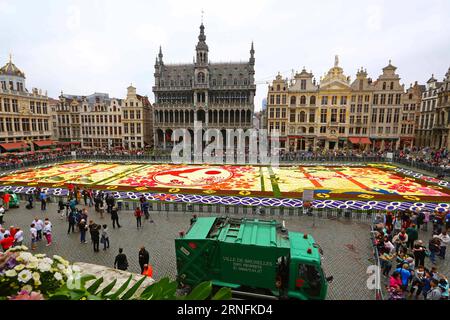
x=378 y=291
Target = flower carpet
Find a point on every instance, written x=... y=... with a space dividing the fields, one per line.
x=345 y=185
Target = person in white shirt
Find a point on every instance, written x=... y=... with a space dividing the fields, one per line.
x=18 y=238
x=2 y=212
x=39 y=225
x=445 y=240
x=48 y=232
x=33 y=233
x=2 y=233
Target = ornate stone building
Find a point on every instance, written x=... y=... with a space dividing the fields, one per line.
x=441 y=128
x=426 y=113
x=410 y=115
x=25 y=118
x=340 y=114
x=333 y=113
x=386 y=109
x=137 y=121
x=220 y=95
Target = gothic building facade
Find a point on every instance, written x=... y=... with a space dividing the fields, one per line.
x=219 y=95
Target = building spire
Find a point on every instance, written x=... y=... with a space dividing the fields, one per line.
x=336 y=61
x=10 y=57
x=252 y=55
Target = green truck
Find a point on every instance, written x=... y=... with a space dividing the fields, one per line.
x=255 y=258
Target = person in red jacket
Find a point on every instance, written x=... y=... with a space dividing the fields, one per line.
x=7 y=242
x=138 y=214
x=6 y=199
x=148 y=271
x=12 y=231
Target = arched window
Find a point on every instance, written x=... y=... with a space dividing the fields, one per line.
x=312 y=100
x=278 y=87
x=293 y=100
x=303 y=100
x=392 y=86
x=201 y=77
x=224 y=82
x=311 y=129
x=384 y=85
x=235 y=82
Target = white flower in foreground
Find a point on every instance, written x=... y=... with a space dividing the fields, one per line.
x=24 y=276
x=61 y=266
x=32 y=265
x=47 y=260
x=25 y=256
x=11 y=273
x=44 y=267
x=58 y=276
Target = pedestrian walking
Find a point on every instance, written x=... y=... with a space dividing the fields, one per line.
x=105 y=237
x=6 y=199
x=445 y=240
x=34 y=236
x=30 y=202
x=434 y=247
x=144 y=258
x=138 y=216
x=413 y=235
x=7 y=242
x=43 y=198
x=2 y=213
x=115 y=218
x=121 y=261
x=102 y=209
x=71 y=219
x=435 y=292
x=417 y=282
x=83 y=228
x=61 y=208
x=419 y=252
x=18 y=237
x=39 y=225
x=94 y=230
x=47 y=230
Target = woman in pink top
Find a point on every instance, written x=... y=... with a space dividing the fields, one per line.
x=395 y=291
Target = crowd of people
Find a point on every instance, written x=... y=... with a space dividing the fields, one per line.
x=20 y=160
x=79 y=222
x=433 y=157
x=406 y=259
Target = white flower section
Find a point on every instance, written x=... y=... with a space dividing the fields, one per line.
x=24 y=276
x=58 y=276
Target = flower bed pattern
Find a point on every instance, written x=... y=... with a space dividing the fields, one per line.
x=239 y=185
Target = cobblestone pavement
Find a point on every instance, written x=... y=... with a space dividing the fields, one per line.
x=346 y=245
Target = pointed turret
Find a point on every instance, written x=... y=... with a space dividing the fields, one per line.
x=160 y=56
x=202 y=48
x=252 y=55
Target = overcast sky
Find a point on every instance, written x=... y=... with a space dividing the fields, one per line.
x=89 y=46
